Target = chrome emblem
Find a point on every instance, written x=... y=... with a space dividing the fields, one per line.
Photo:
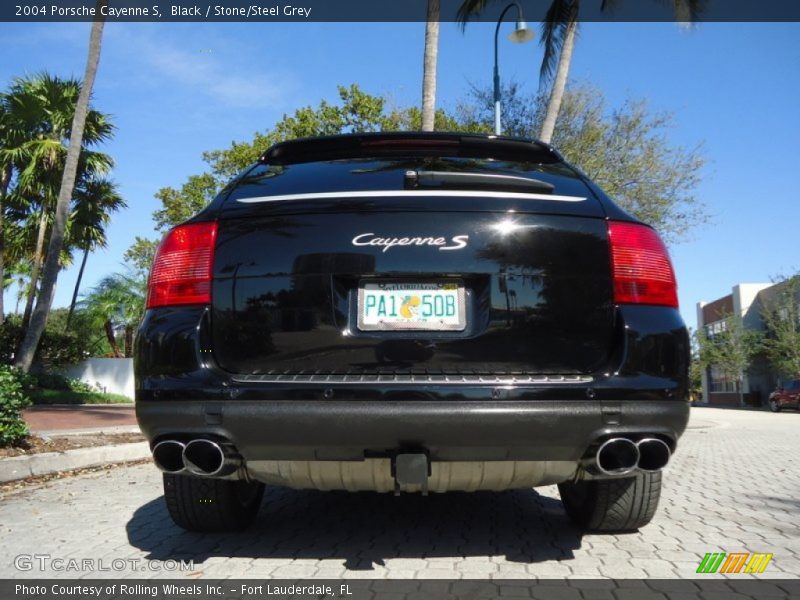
x=457 y=242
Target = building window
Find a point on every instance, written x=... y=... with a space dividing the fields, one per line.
x=715 y=328
x=719 y=382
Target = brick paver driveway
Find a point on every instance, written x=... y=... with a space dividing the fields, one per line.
x=734 y=486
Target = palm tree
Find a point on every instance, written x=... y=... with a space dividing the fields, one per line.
x=34 y=331
x=5 y=181
x=16 y=266
x=559 y=30
x=117 y=302
x=558 y=36
x=40 y=110
x=429 y=66
x=18 y=275
x=94 y=203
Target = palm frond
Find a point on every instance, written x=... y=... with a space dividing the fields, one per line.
x=118 y=298
x=470 y=9
x=688 y=11
x=554 y=28
x=92 y=207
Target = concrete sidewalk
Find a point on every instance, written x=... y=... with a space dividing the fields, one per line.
x=80 y=417
x=74 y=419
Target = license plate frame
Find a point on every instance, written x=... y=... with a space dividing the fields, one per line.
x=454 y=288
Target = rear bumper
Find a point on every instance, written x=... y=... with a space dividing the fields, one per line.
x=457 y=430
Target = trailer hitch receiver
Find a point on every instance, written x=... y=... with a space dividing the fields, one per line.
x=411 y=469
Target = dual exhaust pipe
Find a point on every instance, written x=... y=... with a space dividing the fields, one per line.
x=207 y=458
x=201 y=457
x=619 y=456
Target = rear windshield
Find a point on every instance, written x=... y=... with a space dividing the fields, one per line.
x=388 y=174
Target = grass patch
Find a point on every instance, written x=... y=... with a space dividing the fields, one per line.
x=45 y=396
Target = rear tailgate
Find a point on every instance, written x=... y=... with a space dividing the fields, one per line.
x=534 y=269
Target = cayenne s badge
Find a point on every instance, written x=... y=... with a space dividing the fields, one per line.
x=457 y=242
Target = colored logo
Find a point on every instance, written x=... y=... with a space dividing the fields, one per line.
x=410 y=306
x=734 y=562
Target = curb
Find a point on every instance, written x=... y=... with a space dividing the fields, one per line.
x=46 y=463
x=107 y=405
x=112 y=429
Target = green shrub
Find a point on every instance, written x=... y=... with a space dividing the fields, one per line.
x=52 y=381
x=56 y=381
x=59 y=345
x=13 y=399
x=76 y=385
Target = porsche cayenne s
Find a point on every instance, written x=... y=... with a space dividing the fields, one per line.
x=412 y=313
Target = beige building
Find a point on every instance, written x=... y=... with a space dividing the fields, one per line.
x=758 y=381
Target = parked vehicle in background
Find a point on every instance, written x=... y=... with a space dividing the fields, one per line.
x=412 y=313
x=786 y=396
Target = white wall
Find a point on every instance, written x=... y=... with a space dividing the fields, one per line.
x=744 y=294
x=112 y=375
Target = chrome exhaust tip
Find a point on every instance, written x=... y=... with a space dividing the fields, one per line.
x=617 y=456
x=168 y=456
x=654 y=454
x=210 y=459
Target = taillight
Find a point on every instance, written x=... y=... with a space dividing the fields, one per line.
x=641 y=267
x=182 y=268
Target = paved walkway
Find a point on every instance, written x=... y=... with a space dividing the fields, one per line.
x=734 y=486
x=79 y=417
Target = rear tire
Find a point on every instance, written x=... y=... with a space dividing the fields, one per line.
x=206 y=504
x=606 y=505
x=774 y=406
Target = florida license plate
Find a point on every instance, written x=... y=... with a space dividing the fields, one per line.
x=392 y=306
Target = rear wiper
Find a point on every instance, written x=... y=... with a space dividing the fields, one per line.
x=469 y=181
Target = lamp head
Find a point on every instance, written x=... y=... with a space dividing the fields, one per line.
x=521 y=34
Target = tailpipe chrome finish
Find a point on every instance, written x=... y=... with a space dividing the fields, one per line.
x=207 y=458
x=168 y=456
x=617 y=456
x=654 y=454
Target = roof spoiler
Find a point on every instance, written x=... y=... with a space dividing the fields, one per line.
x=404 y=144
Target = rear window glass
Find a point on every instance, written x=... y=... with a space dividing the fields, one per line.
x=388 y=174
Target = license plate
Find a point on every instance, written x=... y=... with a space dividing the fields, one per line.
x=391 y=306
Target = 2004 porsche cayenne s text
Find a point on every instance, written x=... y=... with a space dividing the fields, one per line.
x=412 y=312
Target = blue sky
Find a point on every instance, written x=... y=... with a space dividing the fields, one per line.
x=176 y=90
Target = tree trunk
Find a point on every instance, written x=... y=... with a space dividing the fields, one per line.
x=429 y=66
x=77 y=286
x=740 y=385
x=128 y=341
x=34 y=332
x=36 y=268
x=5 y=180
x=112 y=340
x=559 y=84
x=20 y=281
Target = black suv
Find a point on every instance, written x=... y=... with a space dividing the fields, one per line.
x=412 y=312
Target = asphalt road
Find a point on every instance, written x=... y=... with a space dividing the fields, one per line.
x=733 y=486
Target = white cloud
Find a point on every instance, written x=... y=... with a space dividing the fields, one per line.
x=212 y=67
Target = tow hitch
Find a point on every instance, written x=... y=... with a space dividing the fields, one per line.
x=411 y=469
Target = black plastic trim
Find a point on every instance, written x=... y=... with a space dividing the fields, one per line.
x=447 y=430
x=419 y=143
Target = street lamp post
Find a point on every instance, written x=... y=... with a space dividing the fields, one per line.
x=520 y=35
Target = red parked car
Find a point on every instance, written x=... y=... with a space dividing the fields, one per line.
x=785 y=395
